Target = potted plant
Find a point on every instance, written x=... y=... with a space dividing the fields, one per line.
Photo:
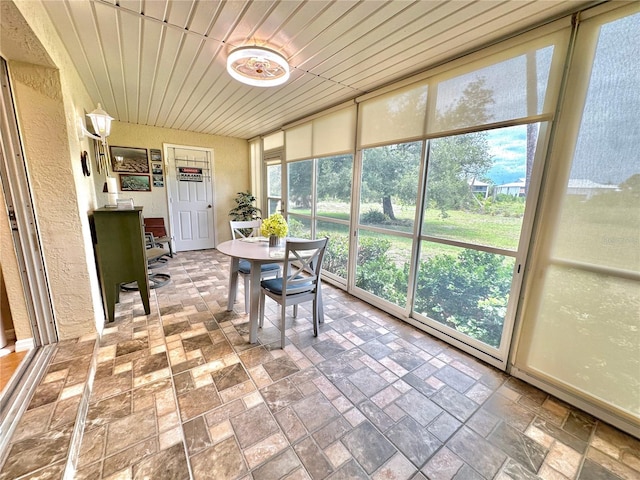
x=245 y=210
x=275 y=227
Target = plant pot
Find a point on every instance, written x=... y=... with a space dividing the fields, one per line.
x=274 y=240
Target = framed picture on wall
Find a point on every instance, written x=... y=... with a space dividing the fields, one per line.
x=158 y=180
x=129 y=160
x=156 y=155
x=135 y=183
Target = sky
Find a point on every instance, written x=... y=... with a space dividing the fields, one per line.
x=508 y=146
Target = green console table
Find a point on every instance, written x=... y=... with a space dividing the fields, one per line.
x=120 y=251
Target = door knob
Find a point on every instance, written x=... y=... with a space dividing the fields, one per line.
x=208 y=206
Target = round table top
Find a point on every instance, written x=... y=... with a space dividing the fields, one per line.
x=257 y=249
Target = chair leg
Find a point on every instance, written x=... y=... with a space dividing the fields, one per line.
x=315 y=318
x=261 y=310
x=282 y=323
x=247 y=294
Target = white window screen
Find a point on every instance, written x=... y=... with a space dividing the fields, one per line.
x=586 y=331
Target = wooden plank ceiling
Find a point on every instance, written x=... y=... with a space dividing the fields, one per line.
x=162 y=62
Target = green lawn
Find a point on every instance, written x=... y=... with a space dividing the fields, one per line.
x=469 y=227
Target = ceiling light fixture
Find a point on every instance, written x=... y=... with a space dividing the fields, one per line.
x=101 y=122
x=258 y=66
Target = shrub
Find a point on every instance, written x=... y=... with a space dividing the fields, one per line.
x=468 y=292
x=374 y=217
x=297 y=228
x=336 y=256
x=383 y=278
x=371 y=248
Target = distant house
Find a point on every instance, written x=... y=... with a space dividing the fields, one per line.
x=479 y=187
x=515 y=189
x=587 y=188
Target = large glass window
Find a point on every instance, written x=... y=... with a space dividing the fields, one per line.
x=300 y=193
x=388 y=196
x=446 y=165
x=274 y=188
x=477 y=184
x=319 y=196
x=474 y=208
x=390 y=179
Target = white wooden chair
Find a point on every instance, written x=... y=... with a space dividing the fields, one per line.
x=246 y=229
x=303 y=264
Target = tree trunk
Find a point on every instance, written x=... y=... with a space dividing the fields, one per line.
x=387 y=207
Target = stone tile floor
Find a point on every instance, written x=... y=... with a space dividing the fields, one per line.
x=181 y=394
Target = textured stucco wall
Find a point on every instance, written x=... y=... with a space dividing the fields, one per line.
x=43 y=129
x=48 y=102
x=230 y=168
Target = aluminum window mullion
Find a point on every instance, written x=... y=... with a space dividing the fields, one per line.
x=471 y=246
x=414 y=266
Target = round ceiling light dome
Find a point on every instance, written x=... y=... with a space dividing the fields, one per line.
x=258 y=66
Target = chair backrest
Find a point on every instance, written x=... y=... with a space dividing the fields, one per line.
x=245 y=229
x=156 y=226
x=303 y=264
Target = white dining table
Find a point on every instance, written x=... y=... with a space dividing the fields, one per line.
x=257 y=252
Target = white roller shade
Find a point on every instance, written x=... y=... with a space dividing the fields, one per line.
x=334 y=133
x=509 y=85
x=396 y=116
x=273 y=141
x=329 y=134
x=298 y=142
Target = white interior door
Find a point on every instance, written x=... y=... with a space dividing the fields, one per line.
x=190 y=181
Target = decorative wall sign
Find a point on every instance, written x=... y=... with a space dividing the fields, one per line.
x=135 y=183
x=129 y=160
x=190 y=174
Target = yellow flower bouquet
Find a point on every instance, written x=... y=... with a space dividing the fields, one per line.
x=274 y=226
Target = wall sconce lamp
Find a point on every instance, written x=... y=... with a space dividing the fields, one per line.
x=101 y=122
x=258 y=66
